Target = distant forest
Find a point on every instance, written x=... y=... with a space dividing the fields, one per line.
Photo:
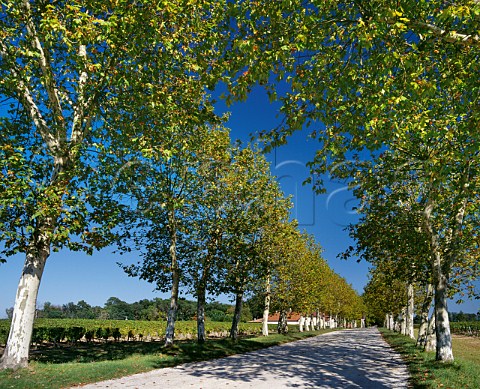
x=461 y=316
x=156 y=309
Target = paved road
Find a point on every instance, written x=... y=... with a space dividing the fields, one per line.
x=357 y=358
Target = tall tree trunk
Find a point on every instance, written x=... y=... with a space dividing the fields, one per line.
x=236 y=315
x=427 y=302
x=266 y=309
x=17 y=349
x=202 y=287
x=201 y=301
x=431 y=339
x=410 y=311
x=403 y=322
x=444 y=351
x=308 y=322
x=301 y=323
x=172 y=312
x=282 y=326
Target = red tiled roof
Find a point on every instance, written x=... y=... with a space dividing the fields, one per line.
x=291 y=317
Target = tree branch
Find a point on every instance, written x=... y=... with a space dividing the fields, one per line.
x=45 y=65
x=80 y=109
x=448 y=36
x=25 y=97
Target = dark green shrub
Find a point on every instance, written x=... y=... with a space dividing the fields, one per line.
x=130 y=335
x=55 y=334
x=3 y=335
x=74 y=334
x=103 y=333
x=89 y=335
x=39 y=335
x=116 y=334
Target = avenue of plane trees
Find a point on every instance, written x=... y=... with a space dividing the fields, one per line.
x=109 y=136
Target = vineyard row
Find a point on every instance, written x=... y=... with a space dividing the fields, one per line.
x=74 y=330
x=469 y=328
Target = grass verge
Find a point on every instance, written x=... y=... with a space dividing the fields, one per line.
x=52 y=367
x=426 y=372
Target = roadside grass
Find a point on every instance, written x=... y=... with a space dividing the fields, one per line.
x=426 y=372
x=60 y=367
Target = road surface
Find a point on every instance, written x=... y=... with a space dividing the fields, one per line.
x=357 y=358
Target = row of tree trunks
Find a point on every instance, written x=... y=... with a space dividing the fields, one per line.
x=427 y=334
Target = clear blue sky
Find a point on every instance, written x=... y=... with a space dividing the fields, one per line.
x=71 y=276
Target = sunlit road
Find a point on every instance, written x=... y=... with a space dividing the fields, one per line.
x=357 y=358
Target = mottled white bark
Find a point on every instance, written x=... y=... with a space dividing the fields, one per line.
x=397 y=325
x=201 y=302
x=172 y=312
x=403 y=322
x=427 y=302
x=410 y=311
x=444 y=350
x=17 y=348
x=266 y=308
x=301 y=323
x=307 y=323
x=431 y=338
x=391 y=322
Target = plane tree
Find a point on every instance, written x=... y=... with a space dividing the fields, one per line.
x=384 y=295
x=379 y=76
x=163 y=187
x=424 y=224
x=253 y=202
x=74 y=78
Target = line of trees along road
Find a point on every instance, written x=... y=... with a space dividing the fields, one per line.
x=109 y=136
x=395 y=88
x=91 y=86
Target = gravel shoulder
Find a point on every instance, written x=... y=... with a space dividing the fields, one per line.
x=358 y=358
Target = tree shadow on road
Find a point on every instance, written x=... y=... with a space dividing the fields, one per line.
x=336 y=360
